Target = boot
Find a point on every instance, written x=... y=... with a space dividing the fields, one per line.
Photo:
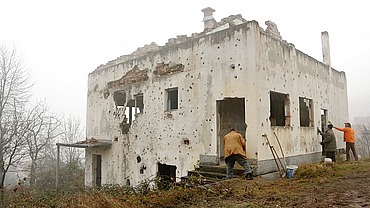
x=249 y=176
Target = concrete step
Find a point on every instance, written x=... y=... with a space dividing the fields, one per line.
x=216 y=171
x=207 y=174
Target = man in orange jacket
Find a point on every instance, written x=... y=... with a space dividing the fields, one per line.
x=234 y=147
x=349 y=138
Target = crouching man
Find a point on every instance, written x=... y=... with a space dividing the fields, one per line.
x=234 y=147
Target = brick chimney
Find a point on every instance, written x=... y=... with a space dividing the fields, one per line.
x=325 y=48
x=208 y=19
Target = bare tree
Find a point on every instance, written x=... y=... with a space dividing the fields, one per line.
x=72 y=132
x=42 y=129
x=14 y=93
x=363 y=140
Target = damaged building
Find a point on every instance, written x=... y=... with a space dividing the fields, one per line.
x=164 y=109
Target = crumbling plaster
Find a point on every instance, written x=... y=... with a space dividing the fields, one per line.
x=241 y=61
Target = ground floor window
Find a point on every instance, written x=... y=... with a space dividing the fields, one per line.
x=279 y=109
x=305 y=111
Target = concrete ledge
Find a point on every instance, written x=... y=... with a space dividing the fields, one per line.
x=209 y=160
x=269 y=166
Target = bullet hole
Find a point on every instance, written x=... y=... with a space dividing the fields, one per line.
x=218 y=47
x=211 y=129
x=232 y=66
x=142 y=169
x=211 y=70
x=115 y=138
x=138 y=159
x=185 y=141
x=218 y=58
x=128 y=182
x=235 y=77
x=203 y=62
x=231 y=58
x=236 y=45
x=201 y=57
x=210 y=145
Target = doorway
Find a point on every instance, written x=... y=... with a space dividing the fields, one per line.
x=97 y=169
x=230 y=114
x=324 y=123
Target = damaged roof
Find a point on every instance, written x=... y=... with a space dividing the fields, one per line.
x=92 y=143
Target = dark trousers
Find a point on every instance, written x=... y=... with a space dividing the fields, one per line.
x=331 y=155
x=230 y=162
x=350 y=146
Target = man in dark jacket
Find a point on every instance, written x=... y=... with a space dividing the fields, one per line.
x=329 y=142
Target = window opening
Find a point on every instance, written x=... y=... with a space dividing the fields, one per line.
x=167 y=175
x=120 y=99
x=305 y=112
x=129 y=110
x=172 y=99
x=279 y=109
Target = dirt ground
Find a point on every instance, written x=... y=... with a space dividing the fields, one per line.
x=345 y=184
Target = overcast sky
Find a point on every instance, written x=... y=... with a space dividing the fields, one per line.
x=63 y=41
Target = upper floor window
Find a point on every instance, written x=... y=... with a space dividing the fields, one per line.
x=172 y=99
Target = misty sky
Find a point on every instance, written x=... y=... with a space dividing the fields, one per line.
x=63 y=41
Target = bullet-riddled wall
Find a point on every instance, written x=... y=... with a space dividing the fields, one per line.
x=179 y=90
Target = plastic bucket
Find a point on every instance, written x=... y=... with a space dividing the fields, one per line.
x=328 y=160
x=290 y=173
x=290 y=170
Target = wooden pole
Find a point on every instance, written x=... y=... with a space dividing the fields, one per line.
x=57 y=171
x=281 y=150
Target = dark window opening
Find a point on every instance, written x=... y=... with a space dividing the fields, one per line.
x=120 y=98
x=279 y=109
x=167 y=175
x=305 y=112
x=172 y=99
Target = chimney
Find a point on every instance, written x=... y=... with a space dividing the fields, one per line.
x=208 y=19
x=325 y=48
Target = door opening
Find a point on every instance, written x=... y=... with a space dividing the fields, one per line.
x=324 y=123
x=97 y=169
x=230 y=114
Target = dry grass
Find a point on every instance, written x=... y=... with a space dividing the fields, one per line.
x=314 y=185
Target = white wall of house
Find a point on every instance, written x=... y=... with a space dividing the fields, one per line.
x=239 y=62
